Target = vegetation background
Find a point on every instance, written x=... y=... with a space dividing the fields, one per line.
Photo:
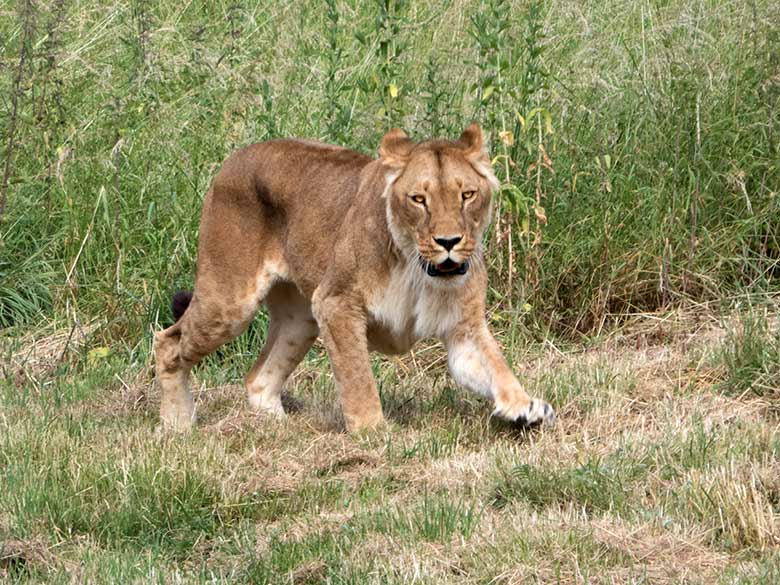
x=634 y=267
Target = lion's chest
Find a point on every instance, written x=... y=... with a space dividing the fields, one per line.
x=407 y=309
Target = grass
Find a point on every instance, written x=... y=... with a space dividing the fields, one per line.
x=591 y=487
x=633 y=283
x=752 y=356
x=665 y=458
x=658 y=121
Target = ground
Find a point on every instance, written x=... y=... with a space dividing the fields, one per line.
x=655 y=473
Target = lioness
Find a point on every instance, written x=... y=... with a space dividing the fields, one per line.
x=368 y=254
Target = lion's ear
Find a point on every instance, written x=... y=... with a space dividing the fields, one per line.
x=473 y=141
x=474 y=144
x=395 y=148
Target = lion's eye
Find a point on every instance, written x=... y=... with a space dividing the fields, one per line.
x=468 y=195
x=420 y=199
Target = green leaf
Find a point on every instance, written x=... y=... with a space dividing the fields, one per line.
x=98 y=353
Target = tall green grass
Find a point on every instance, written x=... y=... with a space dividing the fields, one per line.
x=638 y=143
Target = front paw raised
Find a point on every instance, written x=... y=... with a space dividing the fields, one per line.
x=535 y=413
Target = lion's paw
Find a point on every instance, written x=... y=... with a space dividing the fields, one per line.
x=262 y=404
x=177 y=415
x=535 y=413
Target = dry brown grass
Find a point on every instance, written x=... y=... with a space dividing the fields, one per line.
x=19 y=556
x=38 y=353
x=648 y=399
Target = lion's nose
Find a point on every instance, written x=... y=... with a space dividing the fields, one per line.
x=448 y=243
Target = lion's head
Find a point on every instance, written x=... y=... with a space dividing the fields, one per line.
x=438 y=199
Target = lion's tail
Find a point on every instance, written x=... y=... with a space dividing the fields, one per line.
x=181 y=300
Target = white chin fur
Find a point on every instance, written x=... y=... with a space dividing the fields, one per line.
x=445 y=282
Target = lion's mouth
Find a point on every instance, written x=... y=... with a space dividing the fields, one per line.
x=447 y=268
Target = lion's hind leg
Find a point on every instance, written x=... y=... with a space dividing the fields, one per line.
x=208 y=323
x=218 y=313
x=291 y=332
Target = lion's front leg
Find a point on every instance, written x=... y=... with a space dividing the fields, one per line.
x=343 y=331
x=476 y=362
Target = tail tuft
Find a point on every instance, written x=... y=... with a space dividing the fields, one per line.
x=181 y=300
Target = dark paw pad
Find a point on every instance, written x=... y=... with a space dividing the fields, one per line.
x=522 y=422
x=537 y=413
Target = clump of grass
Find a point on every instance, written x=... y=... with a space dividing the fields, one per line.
x=595 y=487
x=310 y=559
x=751 y=357
x=599 y=485
x=438 y=518
x=436 y=445
x=766 y=572
x=739 y=503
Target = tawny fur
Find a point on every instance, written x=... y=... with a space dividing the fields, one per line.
x=336 y=245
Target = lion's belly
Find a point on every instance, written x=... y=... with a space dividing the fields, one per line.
x=409 y=309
